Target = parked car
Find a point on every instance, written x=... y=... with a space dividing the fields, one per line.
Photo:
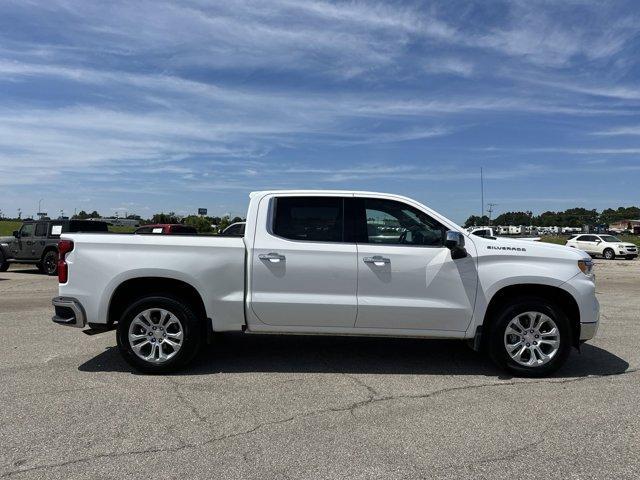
x=37 y=242
x=607 y=246
x=235 y=229
x=333 y=263
x=167 y=229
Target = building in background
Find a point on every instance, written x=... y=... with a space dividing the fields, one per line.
x=625 y=225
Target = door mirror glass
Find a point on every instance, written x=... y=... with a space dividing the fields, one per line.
x=16 y=233
x=454 y=240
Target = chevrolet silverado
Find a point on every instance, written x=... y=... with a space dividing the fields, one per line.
x=331 y=263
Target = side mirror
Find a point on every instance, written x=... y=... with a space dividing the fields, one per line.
x=454 y=241
x=16 y=233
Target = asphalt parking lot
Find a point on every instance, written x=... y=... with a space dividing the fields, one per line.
x=256 y=407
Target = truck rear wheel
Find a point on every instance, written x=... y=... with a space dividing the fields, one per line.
x=531 y=337
x=159 y=334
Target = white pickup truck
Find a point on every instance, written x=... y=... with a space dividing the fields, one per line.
x=331 y=263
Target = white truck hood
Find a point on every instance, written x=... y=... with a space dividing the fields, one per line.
x=518 y=247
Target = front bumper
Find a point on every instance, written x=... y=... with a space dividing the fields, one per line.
x=69 y=312
x=588 y=331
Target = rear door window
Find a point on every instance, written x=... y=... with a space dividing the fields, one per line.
x=313 y=219
x=41 y=229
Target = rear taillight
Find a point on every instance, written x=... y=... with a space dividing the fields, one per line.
x=64 y=247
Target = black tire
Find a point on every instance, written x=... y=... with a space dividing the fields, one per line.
x=609 y=254
x=40 y=267
x=4 y=265
x=497 y=329
x=50 y=263
x=192 y=328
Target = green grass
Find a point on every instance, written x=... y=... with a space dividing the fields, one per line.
x=635 y=239
x=8 y=226
x=121 y=229
x=562 y=239
x=559 y=239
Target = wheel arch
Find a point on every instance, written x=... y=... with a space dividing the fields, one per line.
x=559 y=296
x=47 y=249
x=134 y=288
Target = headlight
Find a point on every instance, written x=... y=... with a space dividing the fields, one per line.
x=585 y=266
x=622 y=247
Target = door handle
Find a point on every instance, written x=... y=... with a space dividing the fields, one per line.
x=377 y=260
x=272 y=257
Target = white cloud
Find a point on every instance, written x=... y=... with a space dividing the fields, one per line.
x=450 y=65
x=632 y=130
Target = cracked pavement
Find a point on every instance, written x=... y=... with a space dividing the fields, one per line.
x=285 y=407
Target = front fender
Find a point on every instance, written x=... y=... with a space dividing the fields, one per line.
x=499 y=271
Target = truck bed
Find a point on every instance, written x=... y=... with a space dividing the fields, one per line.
x=213 y=265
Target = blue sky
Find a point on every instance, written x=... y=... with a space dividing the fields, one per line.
x=149 y=106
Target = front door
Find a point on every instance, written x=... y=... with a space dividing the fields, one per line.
x=303 y=270
x=588 y=243
x=25 y=249
x=406 y=276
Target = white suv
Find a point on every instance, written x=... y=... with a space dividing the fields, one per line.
x=606 y=245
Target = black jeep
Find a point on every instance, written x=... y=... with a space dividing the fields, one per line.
x=37 y=242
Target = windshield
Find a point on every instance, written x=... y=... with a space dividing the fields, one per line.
x=610 y=238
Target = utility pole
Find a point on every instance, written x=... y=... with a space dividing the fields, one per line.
x=490 y=210
x=481 y=193
x=19 y=214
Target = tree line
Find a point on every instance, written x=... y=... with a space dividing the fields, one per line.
x=572 y=217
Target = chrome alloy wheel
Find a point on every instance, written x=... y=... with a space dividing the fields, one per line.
x=532 y=339
x=156 y=335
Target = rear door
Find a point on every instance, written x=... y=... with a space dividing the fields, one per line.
x=40 y=238
x=303 y=269
x=406 y=276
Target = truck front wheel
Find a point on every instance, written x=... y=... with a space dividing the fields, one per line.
x=159 y=334
x=531 y=337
